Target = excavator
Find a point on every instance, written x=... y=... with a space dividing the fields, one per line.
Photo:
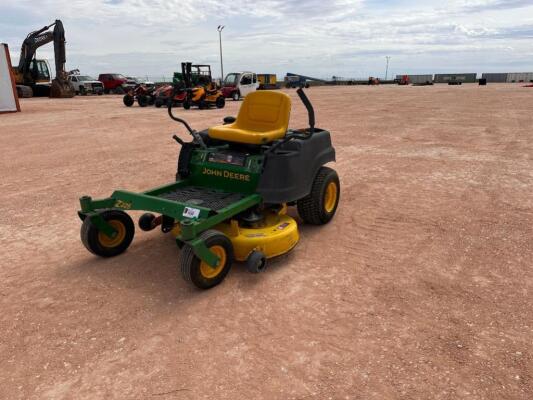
x=32 y=76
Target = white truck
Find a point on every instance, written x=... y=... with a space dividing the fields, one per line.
x=239 y=84
x=84 y=84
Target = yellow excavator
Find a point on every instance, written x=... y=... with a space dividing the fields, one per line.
x=32 y=75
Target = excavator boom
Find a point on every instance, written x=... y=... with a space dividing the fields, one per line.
x=61 y=87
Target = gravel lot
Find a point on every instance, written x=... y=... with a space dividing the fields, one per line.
x=420 y=288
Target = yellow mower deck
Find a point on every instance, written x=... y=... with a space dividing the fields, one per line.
x=276 y=235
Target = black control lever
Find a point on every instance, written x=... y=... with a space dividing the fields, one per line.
x=310 y=110
x=177 y=139
x=197 y=138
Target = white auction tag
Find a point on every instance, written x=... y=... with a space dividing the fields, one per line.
x=190 y=212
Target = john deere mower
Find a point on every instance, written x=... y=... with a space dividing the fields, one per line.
x=234 y=185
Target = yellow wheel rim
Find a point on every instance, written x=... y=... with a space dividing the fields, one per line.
x=109 y=242
x=330 y=197
x=209 y=272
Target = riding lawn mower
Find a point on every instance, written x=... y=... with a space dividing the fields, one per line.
x=202 y=92
x=234 y=185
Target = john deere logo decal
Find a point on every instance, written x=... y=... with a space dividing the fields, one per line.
x=226 y=174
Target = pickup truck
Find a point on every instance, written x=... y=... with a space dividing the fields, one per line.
x=84 y=84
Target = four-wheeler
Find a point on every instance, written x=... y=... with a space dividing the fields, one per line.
x=32 y=75
x=234 y=185
x=144 y=95
x=84 y=84
x=239 y=84
x=162 y=94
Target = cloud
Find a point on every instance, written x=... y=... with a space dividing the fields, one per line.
x=317 y=38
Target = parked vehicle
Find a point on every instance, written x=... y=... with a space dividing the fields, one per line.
x=297 y=81
x=132 y=80
x=267 y=81
x=84 y=84
x=162 y=94
x=239 y=84
x=116 y=83
x=195 y=87
x=142 y=93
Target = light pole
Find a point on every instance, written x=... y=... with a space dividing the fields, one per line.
x=387 y=68
x=219 y=29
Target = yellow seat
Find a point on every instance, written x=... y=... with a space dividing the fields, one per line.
x=263 y=117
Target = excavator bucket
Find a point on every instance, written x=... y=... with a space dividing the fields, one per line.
x=61 y=89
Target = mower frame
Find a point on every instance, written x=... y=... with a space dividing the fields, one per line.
x=191 y=227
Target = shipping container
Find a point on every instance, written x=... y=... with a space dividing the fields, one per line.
x=267 y=81
x=516 y=77
x=462 y=78
x=495 y=77
x=417 y=78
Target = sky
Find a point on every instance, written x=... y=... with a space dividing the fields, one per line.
x=344 y=38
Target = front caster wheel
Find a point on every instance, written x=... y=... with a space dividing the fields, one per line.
x=319 y=206
x=256 y=262
x=102 y=245
x=201 y=274
x=147 y=222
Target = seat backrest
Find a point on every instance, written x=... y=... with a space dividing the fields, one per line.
x=263 y=111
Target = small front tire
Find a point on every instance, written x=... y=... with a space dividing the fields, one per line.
x=256 y=262
x=102 y=245
x=128 y=100
x=221 y=102
x=198 y=272
x=236 y=96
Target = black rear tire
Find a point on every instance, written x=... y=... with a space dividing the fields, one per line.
x=100 y=244
x=198 y=272
x=319 y=206
x=186 y=104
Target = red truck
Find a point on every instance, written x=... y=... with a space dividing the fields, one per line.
x=116 y=83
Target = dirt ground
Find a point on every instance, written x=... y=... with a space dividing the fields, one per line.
x=420 y=288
